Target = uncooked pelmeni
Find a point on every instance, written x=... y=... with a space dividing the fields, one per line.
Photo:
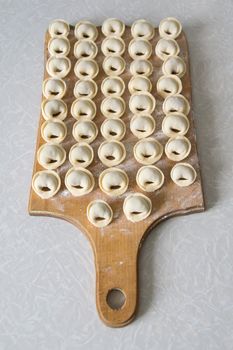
x=79 y=181
x=174 y=65
x=85 y=48
x=113 y=86
x=113 y=181
x=51 y=156
x=111 y=153
x=54 y=109
x=113 y=65
x=113 y=129
x=183 y=174
x=137 y=207
x=59 y=28
x=142 y=103
x=170 y=27
x=113 y=46
x=85 y=131
x=81 y=154
x=148 y=151
x=175 y=124
x=85 y=30
x=58 y=66
x=53 y=88
x=166 y=47
x=59 y=47
x=86 y=68
x=140 y=49
x=46 y=183
x=177 y=148
x=53 y=131
x=176 y=103
x=149 y=178
x=113 y=27
x=142 y=29
x=112 y=107
x=141 y=67
x=83 y=107
x=99 y=213
x=169 y=85
x=142 y=125
x=85 y=88
x=139 y=83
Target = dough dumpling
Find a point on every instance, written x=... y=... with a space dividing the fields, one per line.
x=81 y=154
x=140 y=49
x=113 y=65
x=85 y=131
x=169 y=85
x=54 y=109
x=174 y=65
x=113 y=181
x=142 y=125
x=113 y=46
x=83 y=108
x=85 y=88
x=51 y=156
x=149 y=178
x=99 y=213
x=113 y=27
x=46 y=183
x=53 y=88
x=177 y=148
x=59 y=28
x=85 y=30
x=176 y=103
x=170 y=28
x=183 y=174
x=111 y=153
x=58 y=66
x=142 y=103
x=59 y=47
x=141 y=67
x=142 y=29
x=53 y=131
x=86 y=68
x=166 y=47
x=113 y=86
x=175 y=124
x=113 y=129
x=113 y=107
x=85 y=48
x=79 y=181
x=139 y=83
x=137 y=207
x=148 y=151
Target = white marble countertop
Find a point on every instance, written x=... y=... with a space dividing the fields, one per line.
x=47 y=278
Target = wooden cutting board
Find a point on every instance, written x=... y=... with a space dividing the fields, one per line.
x=116 y=246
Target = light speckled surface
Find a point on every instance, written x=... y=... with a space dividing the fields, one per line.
x=186 y=264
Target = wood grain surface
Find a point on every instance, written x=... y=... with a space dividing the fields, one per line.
x=116 y=246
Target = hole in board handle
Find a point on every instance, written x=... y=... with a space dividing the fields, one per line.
x=116 y=299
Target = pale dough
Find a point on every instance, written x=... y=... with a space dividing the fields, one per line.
x=113 y=181
x=53 y=88
x=170 y=27
x=140 y=49
x=166 y=47
x=113 y=46
x=137 y=207
x=111 y=153
x=85 y=30
x=51 y=156
x=113 y=27
x=113 y=129
x=174 y=65
x=58 y=66
x=175 y=124
x=86 y=68
x=113 y=65
x=99 y=213
x=142 y=29
x=54 y=109
x=113 y=107
x=139 y=83
x=141 y=67
x=142 y=103
x=85 y=88
x=59 y=47
x=148 y=151
x=53 y=130
x=85 y=48
x=113 y=86
x=142 y=125
x=83 y=108
x=176 y=103
x=169 y=85
x=177 y=148
x=85 y=131
x=81 y=154
x=79 y=181
x=149 y=178
x=59 y=28
x=183 y=174
x=46 y=183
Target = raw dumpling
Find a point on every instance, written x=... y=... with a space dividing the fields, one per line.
x=59 y=47
x=53 y=131
x=46 y=183
x=113 y=86
x=149 y=178
x=86 y=68
x=169 y=85
x=99 y=213
x=113 y=46
x=59 y=28
x=174 y=65
x=142 y=29
x=79 y=181
x=183 y=174
x=85 y=48
x=113 y=129
x=175 y=124
x=140 y=49
x=141 y=67
x=142 y=103
x=137 y=207
x=113 y=181
x=113 y=107
x=113 y=27
x=53 y=88
x=85 y=30
x=148 y=151
x=139 y=83
x=170 y=27
x=177 y=148
x=113 y=65
x=85 y=88
x=54 y=109
x=83 y=108
x=142 y=125
x=81 y=154
x=51 y=156
x=166 y=47
x=176 y=103
x=85 y=131
x=111 y=153
x=58 y=66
